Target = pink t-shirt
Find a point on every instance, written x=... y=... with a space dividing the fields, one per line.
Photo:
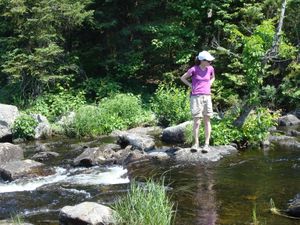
x=201 y=79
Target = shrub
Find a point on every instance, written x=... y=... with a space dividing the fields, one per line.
x=171 y=105
x=257 y=125
x=255 y=129
x=147 y=205
x=97 y=88
x=223 y=132
x=55 y=105
x=121 y=111
x=24 y=127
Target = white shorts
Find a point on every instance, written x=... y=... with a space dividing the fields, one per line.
x=201 y=105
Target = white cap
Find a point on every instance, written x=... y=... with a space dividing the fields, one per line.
x=205 y=55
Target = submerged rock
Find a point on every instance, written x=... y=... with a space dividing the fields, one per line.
x=86 y=213
x=294 y=206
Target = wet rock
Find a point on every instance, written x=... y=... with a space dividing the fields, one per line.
x=10 y=152
x=103 y=155
x=175 y=134
x=44 y=156
x=86 y=213
x=294 y=206
x=43 y=129
x=136 y=156
x=295 y=133
x=139 y=138
x=16 y=169
x=8 y=114
x=285 y=142
x=288 y=120
x=185 y=155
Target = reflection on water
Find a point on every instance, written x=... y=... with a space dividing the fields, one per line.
x=222 y=193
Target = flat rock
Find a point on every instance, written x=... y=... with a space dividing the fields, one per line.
x=185 y=155
x=16 y=169
x=86 y=213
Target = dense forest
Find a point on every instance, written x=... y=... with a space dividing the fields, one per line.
x=75 y=52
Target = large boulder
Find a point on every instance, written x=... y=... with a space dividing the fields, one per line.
x=10 y=152
x=8 y=114
x=104 y=155
x=86 y=213
x=288 y=120
x=16 y=169
x=175 y=134
x=140 y=138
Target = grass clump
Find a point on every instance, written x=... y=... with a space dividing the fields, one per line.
x=146 y=204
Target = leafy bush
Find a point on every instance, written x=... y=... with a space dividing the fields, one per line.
x=255 y=129
x=121 y=111
x=97 y=88
x=24 y=127
x=55 y=105
x=171 y=105
x=147 y=205
x=257 y=125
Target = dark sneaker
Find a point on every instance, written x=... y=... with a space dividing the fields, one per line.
x=195 y=148
x=205 y=149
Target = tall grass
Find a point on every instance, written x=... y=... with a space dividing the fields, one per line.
x=17 y=219
x=146 y=204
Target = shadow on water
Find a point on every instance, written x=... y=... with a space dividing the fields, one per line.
x=223 y=193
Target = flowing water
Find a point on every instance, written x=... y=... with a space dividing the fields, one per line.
x=225 y=193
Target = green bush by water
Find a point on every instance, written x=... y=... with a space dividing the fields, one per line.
x=171 y=105
x=255 y=129
x=54 y=105
x=24 y=126
x=146 y=204
x=122 y=111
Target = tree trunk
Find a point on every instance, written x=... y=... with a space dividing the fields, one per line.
x=271 y=53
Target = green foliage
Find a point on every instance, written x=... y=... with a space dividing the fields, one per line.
x=224 y=132
x=55 y=105
x=146 y=204
x=290 y=87
x=257 y=125
x=171 y=104
x=121 y=111
x=24 y=126
x=35 y=53
x=98 y=88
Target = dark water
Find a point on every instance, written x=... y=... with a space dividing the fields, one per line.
x=224 y=193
